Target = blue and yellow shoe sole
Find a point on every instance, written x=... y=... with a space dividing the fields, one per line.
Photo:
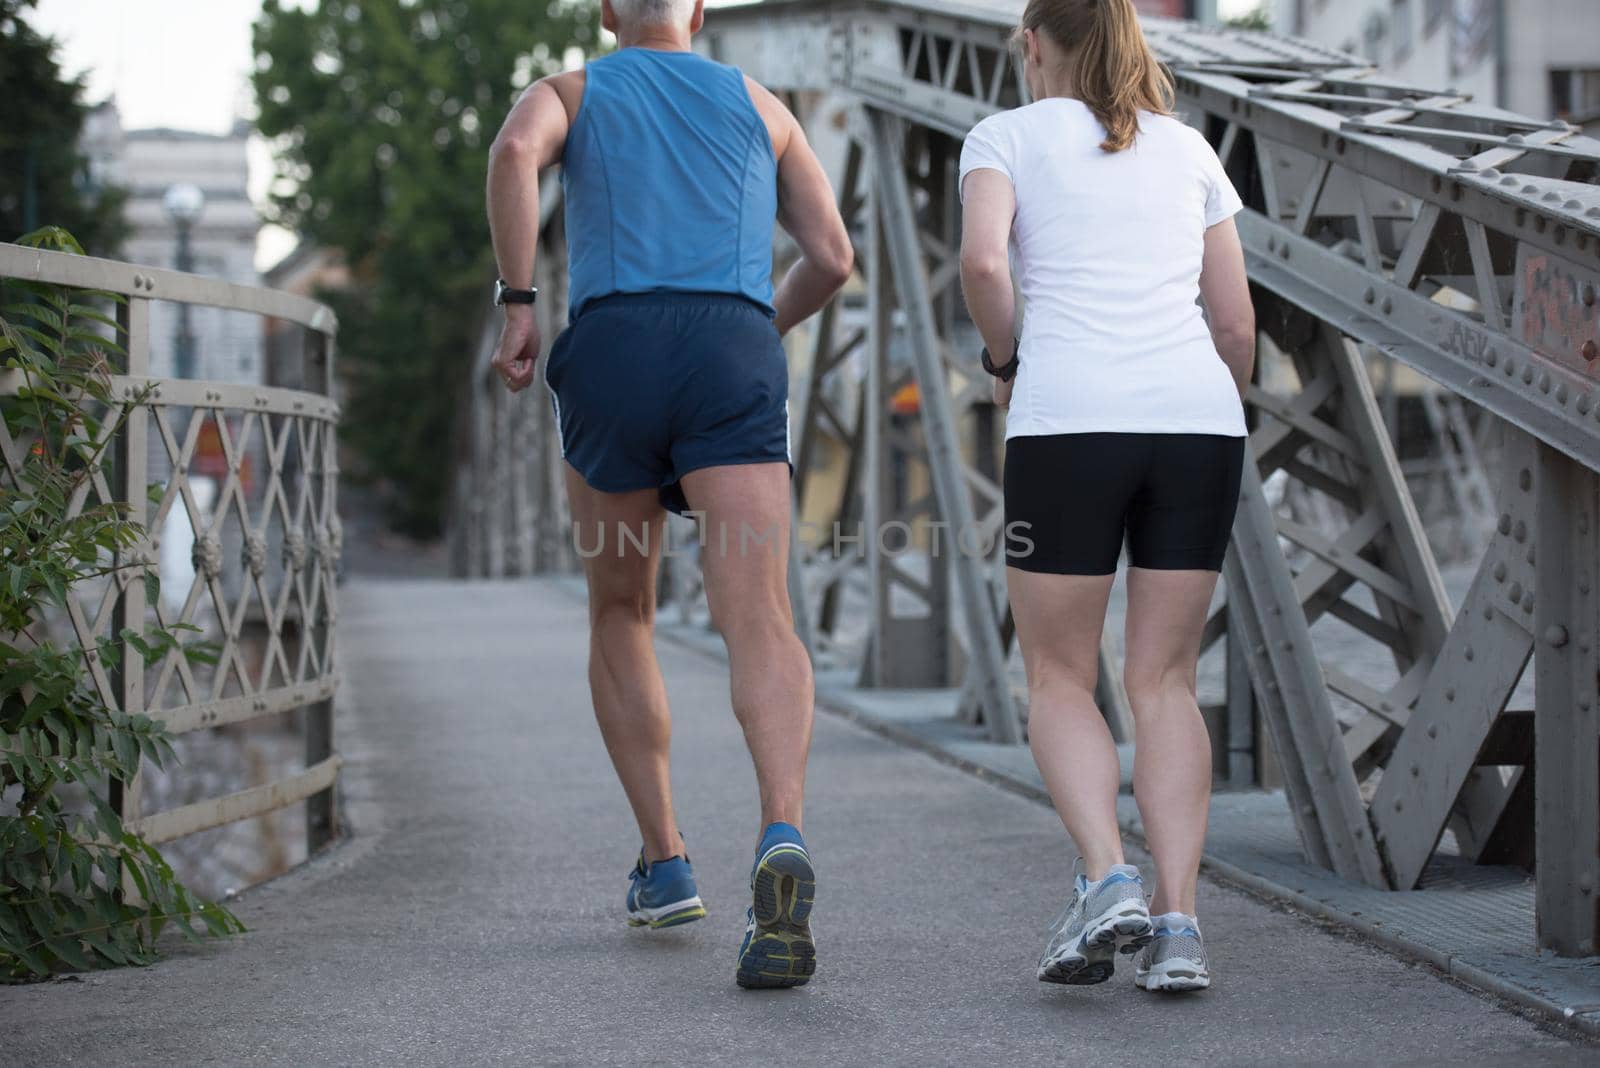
x=780 y=952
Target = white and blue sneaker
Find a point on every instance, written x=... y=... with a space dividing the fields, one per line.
x=1175 y=961
x=663 y=894
x=777 y=950
x=1101 y=918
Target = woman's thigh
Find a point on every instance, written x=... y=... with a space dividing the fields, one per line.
x=1167 y=612
x=1059 y=619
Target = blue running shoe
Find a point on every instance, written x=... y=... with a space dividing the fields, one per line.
x=777 y=950
x=663 y=894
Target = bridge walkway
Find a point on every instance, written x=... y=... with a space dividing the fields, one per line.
x=473 y=915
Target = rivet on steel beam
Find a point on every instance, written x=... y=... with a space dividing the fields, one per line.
x=1283 y=253
x=1388 y=305
x=1500 y=571
x=1397 y=805
x=1505 y=522
x=1449 y=693
x=1527 y=603
x=1515 y=593
x=1416 y=771
x=1488 y=611
x=1433 y=730
x=1555 y=636
x=1561 y=394
x=1584 y=403
x=1510 y=367
x=1520 y=531
x=1527 y=375
x=1525 y=479
x=1544 y=383
x=1370 y=296
x=1590 y=351
x=1469 y=654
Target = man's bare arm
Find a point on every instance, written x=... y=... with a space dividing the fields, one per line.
x=531 y=139
x=809 y=213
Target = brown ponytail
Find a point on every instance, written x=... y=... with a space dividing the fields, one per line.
x=1117 y=74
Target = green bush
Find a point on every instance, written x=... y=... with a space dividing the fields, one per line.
x=77 y=888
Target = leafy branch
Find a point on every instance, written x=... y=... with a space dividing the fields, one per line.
x=78 y=889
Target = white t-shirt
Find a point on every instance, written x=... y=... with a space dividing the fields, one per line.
x=1107 y=247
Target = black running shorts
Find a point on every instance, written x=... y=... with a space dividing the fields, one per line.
x=1072 y=498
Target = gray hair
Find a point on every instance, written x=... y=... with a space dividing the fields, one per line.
x=653 y=12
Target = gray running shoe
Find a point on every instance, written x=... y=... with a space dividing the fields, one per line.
x=1100 y=919
x=1175 y=961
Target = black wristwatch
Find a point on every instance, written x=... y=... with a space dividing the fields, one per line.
x=504 y=294
x=1009 y=371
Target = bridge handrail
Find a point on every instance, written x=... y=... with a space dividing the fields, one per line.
x=292 y=432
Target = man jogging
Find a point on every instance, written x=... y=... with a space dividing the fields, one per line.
x=670 y=388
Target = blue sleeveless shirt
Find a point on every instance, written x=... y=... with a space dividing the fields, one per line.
x=669 y=180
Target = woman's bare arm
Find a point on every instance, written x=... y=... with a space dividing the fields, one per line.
x=1225 y=289
x=989 y=206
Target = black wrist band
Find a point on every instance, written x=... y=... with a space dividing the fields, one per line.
x=1009 y=371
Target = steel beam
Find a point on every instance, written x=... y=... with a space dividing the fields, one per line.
x=1566 y=626
x=897 y=217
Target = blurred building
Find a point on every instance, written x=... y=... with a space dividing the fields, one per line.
x=309 y=271
x=1537 y=57
x=227 y=345
x=1204 y=10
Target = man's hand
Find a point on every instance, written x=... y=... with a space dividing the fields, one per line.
x=1002 y=392
x=518 y=352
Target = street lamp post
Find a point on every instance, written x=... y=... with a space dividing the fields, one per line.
x=184 y=203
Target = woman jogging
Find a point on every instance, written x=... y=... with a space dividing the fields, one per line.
x=1124 y=422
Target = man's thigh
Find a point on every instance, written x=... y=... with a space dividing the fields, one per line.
x=618 y=537
x=745 y=514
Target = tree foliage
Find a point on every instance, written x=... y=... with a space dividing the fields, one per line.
x=42 y=173
x=383 y=111
x=67 y=862
x=1260 y=18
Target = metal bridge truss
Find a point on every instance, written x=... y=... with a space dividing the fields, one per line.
x=1383 y=220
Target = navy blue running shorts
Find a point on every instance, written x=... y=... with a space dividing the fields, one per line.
x=650 y=386
x=1071 y=499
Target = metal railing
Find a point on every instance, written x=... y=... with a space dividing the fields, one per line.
x=250 y=474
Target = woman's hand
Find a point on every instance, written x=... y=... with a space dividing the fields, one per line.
x=1002 y=392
